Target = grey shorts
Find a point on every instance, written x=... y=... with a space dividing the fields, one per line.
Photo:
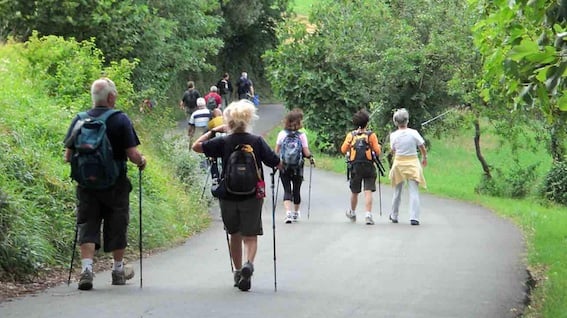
x=244 y=217
x=110 y=208
x=363 y=172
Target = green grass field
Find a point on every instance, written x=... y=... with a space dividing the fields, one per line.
x=302 y=7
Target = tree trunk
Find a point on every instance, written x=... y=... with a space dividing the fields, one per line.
x=479 y=156
x=557 y=136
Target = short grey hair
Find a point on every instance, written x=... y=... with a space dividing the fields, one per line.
x=214 y=88
x=201 y=102
x=101 y=88
x=401 y=117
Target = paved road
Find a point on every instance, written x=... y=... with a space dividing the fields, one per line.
x=463 y=261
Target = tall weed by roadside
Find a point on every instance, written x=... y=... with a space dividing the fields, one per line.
x=44 y=83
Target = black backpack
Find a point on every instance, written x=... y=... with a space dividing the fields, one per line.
x=191 y=97
x=211 y=103
x=360 y=146
x=243 y=85
x=242 y=173
x=92 y=161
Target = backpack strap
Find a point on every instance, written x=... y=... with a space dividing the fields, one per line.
x=104 y=116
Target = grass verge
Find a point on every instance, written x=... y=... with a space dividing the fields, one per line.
x=454 y=172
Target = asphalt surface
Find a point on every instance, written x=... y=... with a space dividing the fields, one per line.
x=462 y=261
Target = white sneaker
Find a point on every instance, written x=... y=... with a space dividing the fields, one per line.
x=288 y=217
x=296 y=215
x=351 y=215
x=368 y=219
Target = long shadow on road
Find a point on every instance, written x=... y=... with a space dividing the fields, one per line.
x=463 y=261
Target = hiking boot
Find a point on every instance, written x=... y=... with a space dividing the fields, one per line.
x=245 y=282
x=86 y=280
x=288 y=218
x=392 y=219
x=120 y=277
x=237 y=276
x=368 y=219
x=414 y=222
x=351 y=215
x=296 y=216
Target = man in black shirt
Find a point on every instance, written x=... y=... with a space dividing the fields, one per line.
x=189 y=100
x=109 y=204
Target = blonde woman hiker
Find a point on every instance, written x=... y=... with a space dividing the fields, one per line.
x=406 y=166
x=241 y=213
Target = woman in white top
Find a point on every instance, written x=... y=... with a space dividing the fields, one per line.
x=292 y=176
x=404 y=143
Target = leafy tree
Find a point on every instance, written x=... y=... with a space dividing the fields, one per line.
x=167 y=37
x=248 y=31
x=363 y=54
x=522 y=44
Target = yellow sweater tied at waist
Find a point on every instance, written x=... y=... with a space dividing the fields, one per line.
x=407 y=168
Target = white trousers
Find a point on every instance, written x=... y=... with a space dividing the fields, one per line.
x=413 y=198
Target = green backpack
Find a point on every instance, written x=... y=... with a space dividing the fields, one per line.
x=92 y=162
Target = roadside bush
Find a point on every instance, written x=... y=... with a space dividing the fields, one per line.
x=516 y=182
x=555 y=183
x=45 y=83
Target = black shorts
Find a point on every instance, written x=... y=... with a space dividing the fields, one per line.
x=111 y=206
x=363 y=172
x=244 y=217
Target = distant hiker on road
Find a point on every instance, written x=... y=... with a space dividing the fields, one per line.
x=292 y=147
x=406 y=166
x=108 y=199
x=189 y=100
x=361 y=147
x=198 y=120
x=245 y=87
x=225 y=89
x=216 y=119
x=242 y=156
x=213 y=99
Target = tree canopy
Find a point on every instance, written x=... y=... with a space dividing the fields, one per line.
x=366 y=54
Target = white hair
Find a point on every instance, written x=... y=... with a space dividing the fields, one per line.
x=100 y=90
x=201 y=102
x=401 y=117
x=214 y=88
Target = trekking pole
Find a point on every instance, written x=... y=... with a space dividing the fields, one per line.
x=73 y=254
x=310 y=175
x=229 y=252
x=380 y=194
x=274 y=224
x=206 y=181
x=140 y=230
x=381 y=171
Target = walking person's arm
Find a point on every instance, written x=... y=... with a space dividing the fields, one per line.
x=423 y=154
x=136 y=157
